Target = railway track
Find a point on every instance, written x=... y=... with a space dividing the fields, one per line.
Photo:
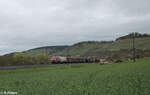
x=38 y=66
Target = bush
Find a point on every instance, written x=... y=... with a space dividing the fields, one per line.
x=41 y=59
x=5 y=61
x=118 y=61
x=22 y=59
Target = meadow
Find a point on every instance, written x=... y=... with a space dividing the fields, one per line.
x=126 y=78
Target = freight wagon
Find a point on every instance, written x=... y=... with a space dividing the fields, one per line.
x=61 y=60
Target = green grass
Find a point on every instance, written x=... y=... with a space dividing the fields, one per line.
x=89 y=79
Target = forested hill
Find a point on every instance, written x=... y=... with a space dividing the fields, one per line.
x=98 y=48
x=48 y=50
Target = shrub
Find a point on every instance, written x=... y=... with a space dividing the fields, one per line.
x=41 y=58
x=22 y=59
x=5 y=60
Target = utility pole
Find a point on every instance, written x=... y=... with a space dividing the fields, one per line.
x=134 y=60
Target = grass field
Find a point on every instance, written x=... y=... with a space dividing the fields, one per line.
x=89 y=79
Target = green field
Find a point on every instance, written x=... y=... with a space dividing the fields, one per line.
x=88 y=79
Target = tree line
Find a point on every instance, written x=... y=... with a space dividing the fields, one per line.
x=24 y=59
x=131 y=35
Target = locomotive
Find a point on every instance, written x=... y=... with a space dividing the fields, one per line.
x=61 y=60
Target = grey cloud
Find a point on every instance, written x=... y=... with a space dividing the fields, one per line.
x=26 y=24
x=134 y=7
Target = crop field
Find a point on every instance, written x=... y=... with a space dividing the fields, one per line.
x=126 y=78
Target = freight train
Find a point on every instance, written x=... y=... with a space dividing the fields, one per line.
x=61 y=60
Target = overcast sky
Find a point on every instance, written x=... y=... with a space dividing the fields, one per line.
x=26 y=24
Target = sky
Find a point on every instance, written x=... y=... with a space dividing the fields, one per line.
x=26 y=24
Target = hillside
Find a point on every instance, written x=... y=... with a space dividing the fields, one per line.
x=94 y=48
x=106 y=49
x=122 y=46
x=48 y=50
